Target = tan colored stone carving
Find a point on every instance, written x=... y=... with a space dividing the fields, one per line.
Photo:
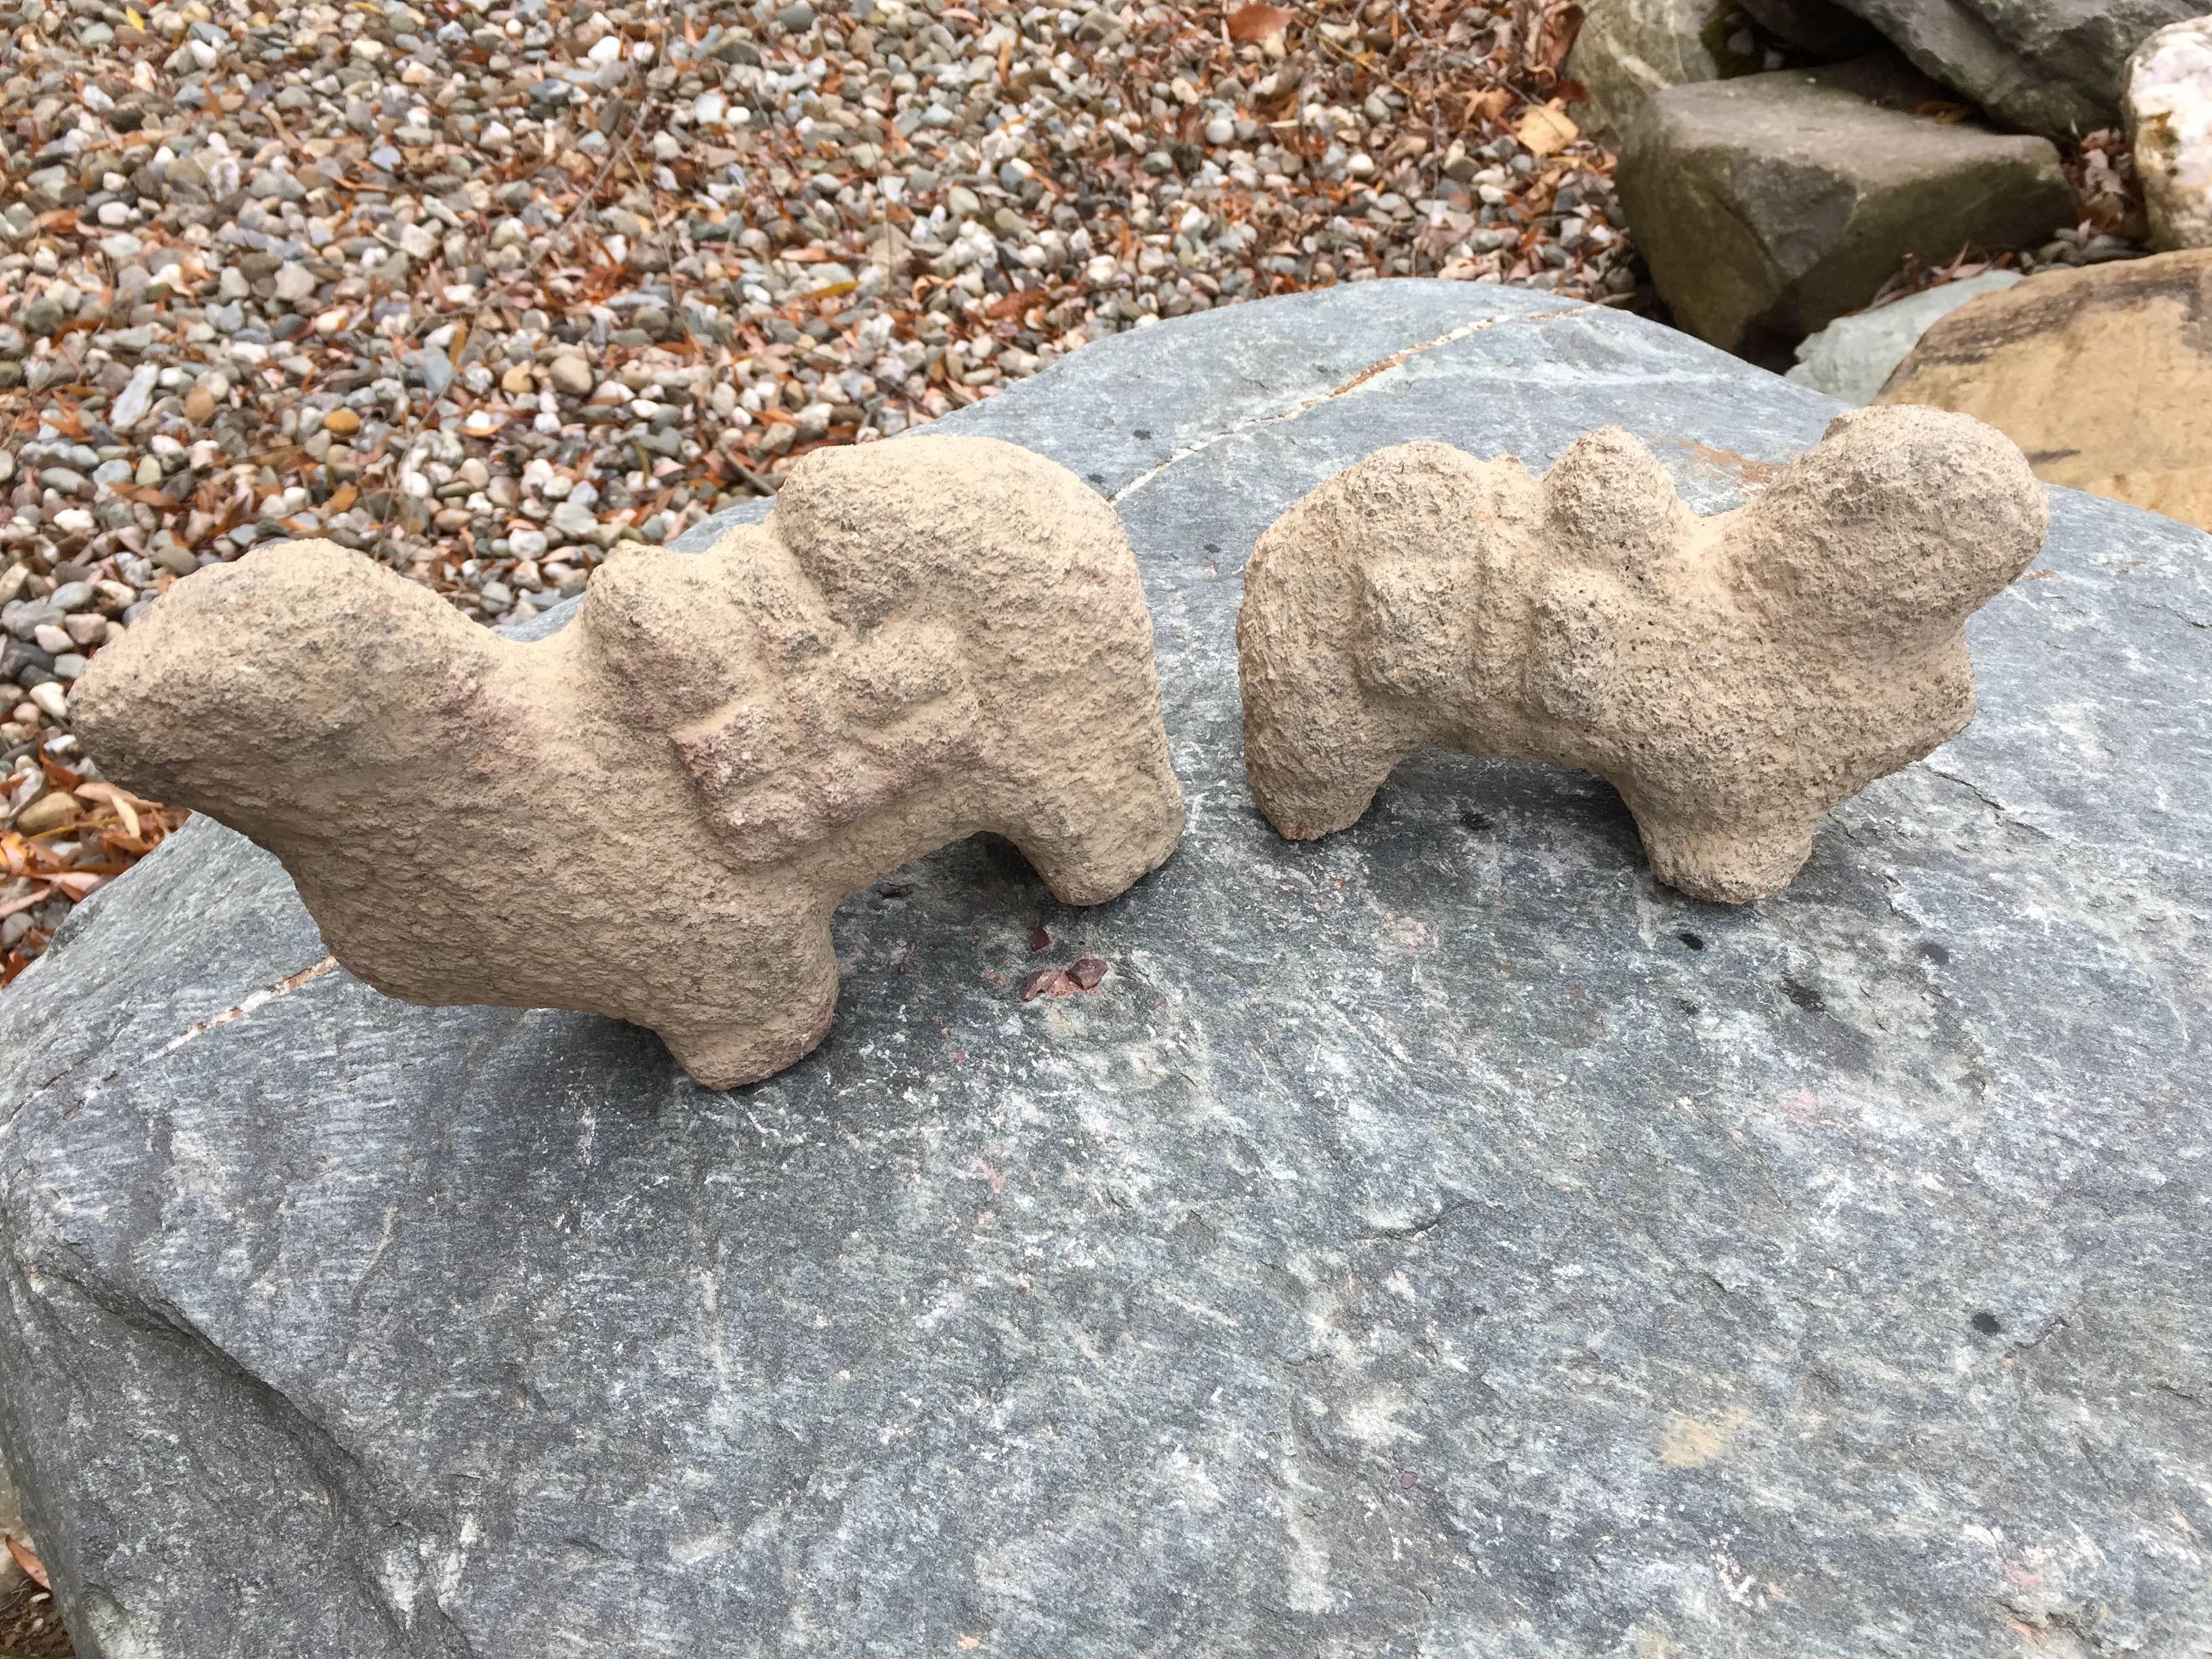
x=1734 y=676
x=653 y=812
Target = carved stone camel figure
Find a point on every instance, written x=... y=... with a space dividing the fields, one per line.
x=1734 y=676
x=653 y=812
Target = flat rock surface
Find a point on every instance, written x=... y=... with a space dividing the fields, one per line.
x=1436 y=1239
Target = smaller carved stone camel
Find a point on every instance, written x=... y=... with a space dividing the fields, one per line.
x=653 y=812
x=1734 y=676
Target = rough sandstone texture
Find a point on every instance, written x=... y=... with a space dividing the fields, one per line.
x=1436 y=1239
x=1734 y=676
x=2103 y=376
x=922 y=642
x=2169 y=115
x=1769 y=205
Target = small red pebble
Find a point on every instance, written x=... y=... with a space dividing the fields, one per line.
x=1087 y=972
x=1039 y=939
x=1047 y=982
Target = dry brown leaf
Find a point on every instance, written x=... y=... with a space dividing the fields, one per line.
x=144 y=495
x=1559 y=32
x=1257 y=23
x=1544 y=130
x=126 y=806
x=1489 y=106
x=26 y=1558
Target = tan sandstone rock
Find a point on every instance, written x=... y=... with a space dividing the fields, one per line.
x=653 y=812
x=1734 y=676
x=2102 y=375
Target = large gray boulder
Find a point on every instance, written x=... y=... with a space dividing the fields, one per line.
x=1770 y=205
x=1438 y=1238
x=2056 y=67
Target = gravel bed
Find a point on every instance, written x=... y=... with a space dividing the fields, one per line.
x=488 y=288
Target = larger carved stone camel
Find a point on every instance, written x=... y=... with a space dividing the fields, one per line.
x=653 y=812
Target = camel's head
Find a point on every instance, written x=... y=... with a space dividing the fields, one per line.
x=249 y=685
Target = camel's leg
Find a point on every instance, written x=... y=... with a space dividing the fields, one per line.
x=1314 y=769
x=1092 y=830
x=1729 y=866
x=770 y=1009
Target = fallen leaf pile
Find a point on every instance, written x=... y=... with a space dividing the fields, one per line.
x=68 y=835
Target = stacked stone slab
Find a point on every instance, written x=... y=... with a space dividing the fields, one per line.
x=1627 y=50
x=1769 y=205
x=1853 y=356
